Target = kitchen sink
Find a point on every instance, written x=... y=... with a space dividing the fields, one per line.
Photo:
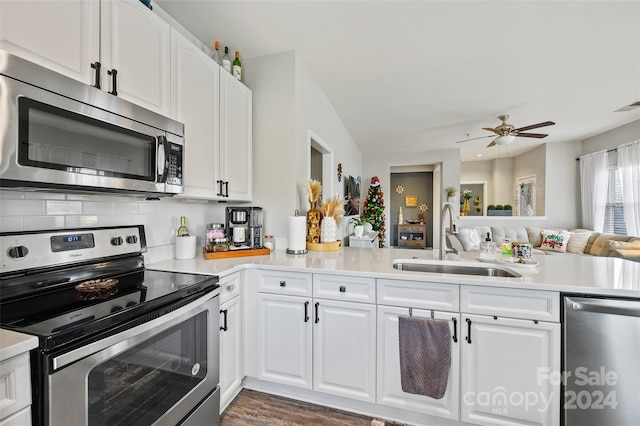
x=450 y=268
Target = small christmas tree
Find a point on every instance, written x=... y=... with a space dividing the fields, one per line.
x=373 y=210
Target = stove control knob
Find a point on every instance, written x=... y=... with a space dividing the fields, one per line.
x=116 y=241
x=132 y=239
x=17 y=252
x=116 y=308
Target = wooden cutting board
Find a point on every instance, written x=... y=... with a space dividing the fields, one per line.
x=235 y=253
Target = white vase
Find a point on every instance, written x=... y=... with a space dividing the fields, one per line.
x=328 y=230
x=358 y=230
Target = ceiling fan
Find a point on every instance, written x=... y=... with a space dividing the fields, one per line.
x=507 y=132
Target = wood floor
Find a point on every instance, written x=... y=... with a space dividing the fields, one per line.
x=257 y=408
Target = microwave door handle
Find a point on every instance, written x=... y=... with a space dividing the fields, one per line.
x=163 y=159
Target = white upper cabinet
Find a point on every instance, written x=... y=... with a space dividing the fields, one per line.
x=195 y=102
x=235 y=138
x=61 y=35
x=72 y=36
x=135 y=42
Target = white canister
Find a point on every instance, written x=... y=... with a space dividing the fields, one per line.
x=186 y=247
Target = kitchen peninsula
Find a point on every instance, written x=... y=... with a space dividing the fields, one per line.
x=323 y=327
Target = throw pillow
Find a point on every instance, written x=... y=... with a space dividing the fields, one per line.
x=578 y=241
x=535 y=236
x=601 y=247
x=621 y=245
x=592 y=238
x=470 y=238
x=555 y=240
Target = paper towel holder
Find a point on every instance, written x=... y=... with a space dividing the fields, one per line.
x=301 y=251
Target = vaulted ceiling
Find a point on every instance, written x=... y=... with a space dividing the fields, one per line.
x=406 y=75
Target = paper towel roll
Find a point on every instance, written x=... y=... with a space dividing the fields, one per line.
x=297 y=234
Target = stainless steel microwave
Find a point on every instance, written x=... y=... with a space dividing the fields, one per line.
x=59 y=134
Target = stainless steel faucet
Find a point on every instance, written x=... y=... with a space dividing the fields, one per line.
x=452 y=228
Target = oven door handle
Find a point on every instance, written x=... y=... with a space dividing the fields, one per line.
x=113 y=345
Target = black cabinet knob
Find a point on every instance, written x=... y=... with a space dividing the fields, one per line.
x=343 y=289
x=283 y=283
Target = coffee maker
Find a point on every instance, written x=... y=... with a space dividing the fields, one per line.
x=244 y=227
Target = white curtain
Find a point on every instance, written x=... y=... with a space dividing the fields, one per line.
x=629 y=170
x=594 y=180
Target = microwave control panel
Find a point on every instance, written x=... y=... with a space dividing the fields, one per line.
x=174 y=175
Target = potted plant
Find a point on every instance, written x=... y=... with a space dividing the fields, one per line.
x=358 y=229
x=499 y=210
x=451 y=191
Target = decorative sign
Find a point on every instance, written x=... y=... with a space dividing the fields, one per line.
x=411 y=201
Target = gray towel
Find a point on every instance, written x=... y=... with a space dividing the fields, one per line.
x=425 y=355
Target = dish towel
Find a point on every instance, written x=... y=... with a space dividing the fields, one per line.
x=425 y=355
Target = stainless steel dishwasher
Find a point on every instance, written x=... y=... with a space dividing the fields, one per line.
x=601 y=361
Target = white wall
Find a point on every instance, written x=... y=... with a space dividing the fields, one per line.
x=532 y=162
x=447 y=174
x=26 y=211
x=272 y=80
x=287 y=105
x=612 y=138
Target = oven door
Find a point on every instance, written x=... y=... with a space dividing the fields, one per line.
x=156 y=373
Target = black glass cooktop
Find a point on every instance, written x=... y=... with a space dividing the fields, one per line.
x=62 y=306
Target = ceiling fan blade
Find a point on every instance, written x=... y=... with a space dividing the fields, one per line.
x=490 y=129
x=493 y=142
x=473 y=139
x=532 y=135
x=535 y=126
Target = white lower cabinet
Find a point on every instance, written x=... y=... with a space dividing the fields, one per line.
x=505 y=371
x=284 y=339
x=344 y=349
x=317 y=343
x=231 y=339
x=510 y=359
x=389 y=385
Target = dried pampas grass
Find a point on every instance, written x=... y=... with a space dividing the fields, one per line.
x=333 y=207
x=314 y=189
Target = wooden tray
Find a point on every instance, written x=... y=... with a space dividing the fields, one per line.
x=334 y=246
x=235 y=253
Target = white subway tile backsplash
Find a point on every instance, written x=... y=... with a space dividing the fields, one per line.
x=55 y=207
x=83 y=197
x=12 y=207
x=33 y=223
x=10 y=223
x=43 y=196
x=81 y=221
x=10 y=194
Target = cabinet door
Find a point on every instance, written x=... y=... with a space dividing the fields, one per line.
x=136 y=42
x=389 y=385
x=344 y=342
x=194 y=101
x=284 y=339
x=231 y=371
x=235 y=137
x=60 y=35
x=505 y=368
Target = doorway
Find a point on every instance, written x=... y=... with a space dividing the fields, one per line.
x=412 y=191
x=320 y=164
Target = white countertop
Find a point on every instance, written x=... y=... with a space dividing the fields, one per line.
x=560 y=272
x=12 y=343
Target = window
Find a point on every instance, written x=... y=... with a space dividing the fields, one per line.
x=614 y=216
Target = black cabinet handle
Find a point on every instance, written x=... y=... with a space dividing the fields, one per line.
x=343 y=289
x=317 y=317
x=283 y=283
x=224 y=327
x=96 y=66
x=226 y=189
x=114 y=82
x=219 y=194
x=455 y=329
x=306 y=311
x=468 y=338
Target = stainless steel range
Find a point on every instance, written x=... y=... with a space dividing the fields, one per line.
x=118 y=344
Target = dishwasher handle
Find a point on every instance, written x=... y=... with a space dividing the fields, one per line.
x=606 y=306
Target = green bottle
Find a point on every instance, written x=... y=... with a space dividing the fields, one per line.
x=237 y=67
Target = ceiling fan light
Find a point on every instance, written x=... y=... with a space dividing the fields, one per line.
x=505 y=140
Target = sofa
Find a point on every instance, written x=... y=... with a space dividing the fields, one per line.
x=547 y=241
